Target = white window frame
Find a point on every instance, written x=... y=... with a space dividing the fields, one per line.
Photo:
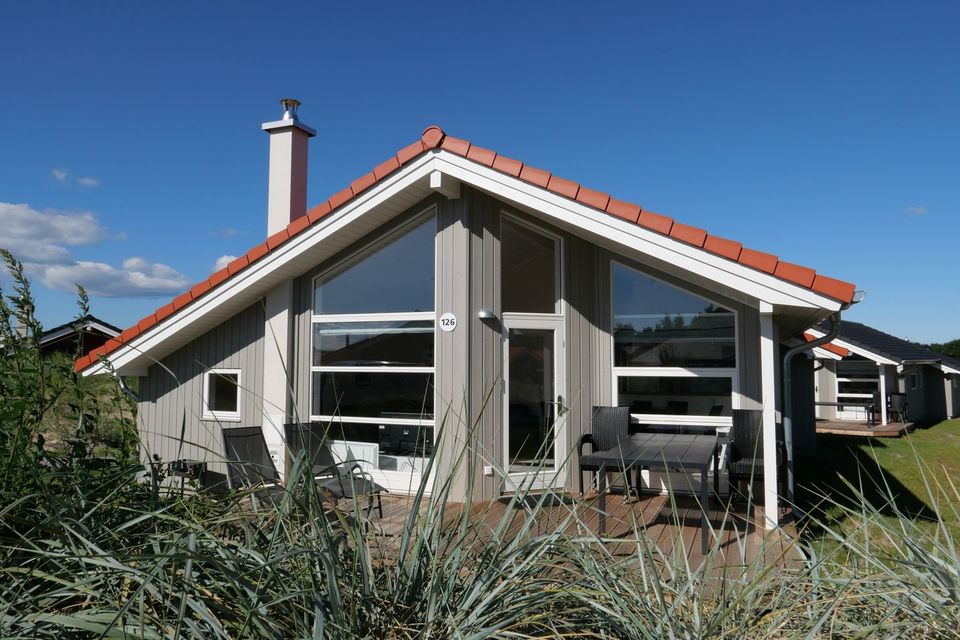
x=555 y=476
x=720 y=422
x=397 y=481
x=220 y=416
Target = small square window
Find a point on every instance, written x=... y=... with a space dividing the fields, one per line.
x=221 y=399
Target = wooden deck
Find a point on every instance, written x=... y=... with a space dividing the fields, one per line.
x=674 y=534
x=857 y=428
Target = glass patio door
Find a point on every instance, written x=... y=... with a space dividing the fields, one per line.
x=533 y=403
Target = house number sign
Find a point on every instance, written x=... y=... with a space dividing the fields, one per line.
x=448 y=322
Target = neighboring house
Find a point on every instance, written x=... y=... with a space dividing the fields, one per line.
x=455 y=289
x=78 y=336
x=880 y=363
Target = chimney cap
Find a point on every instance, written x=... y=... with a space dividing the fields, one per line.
x=289 y=119
x=290 y=106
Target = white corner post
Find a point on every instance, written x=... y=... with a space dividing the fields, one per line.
x=883 y=392
x=768 y=386
x=286 y=201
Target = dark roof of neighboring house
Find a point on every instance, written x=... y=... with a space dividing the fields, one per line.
x=86 y=323
x=435 y=138
x=887 y=345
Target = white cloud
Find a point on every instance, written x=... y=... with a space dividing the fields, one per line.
x=916 y=210
x=64 y=177
x=226 y=232
x=136 y=278
x=222 y=262
x=41 y=240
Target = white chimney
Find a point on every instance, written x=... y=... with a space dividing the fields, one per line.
x=287 y=187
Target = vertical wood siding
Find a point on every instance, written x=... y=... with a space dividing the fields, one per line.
x=170 y=410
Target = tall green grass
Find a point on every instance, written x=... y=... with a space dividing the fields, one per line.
x=96 y=552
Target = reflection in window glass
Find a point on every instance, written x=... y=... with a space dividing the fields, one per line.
x=658 y=325
x=395 y=343
x=676 y=396
x=373 y=394
x=395 y=277
x=528 y=269
x=222 y=392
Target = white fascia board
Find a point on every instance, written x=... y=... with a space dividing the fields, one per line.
x=823 y=354
x=860 y=351
x=136 y=353
x=948 y=369
x=751 y=282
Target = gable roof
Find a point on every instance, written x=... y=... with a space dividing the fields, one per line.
x=434 y=138
x=86 y=323
x=897 y=349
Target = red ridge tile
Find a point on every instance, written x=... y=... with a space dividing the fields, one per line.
x=385 y=168
x=199 y=289
x=130 y=333
x=758 y=260
x=182 y=300
x=481 y=155
x=455 y=145
x=688 y=234
x=298 y=225
x=318 y=212
x=723 y=247
x=111 y=344
x=146 y=322
x=626 y=210
x=257 y=252
x=564 y=187
x=363 y=183
x=277 y=239
x=340 y=198
x=218 y=277
x=795 y=273
x=163 y=312
x=432 y=136
x=410 y=152
x=593 y=198
x=508 y=165
x=834 y=288
x=238 y=264
x=535 y=176
x=655 y=222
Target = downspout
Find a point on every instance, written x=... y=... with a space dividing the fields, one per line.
x=788 y=393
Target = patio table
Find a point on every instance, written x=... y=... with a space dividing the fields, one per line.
x=664 y=451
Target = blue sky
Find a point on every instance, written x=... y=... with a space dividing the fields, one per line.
x=131 y=156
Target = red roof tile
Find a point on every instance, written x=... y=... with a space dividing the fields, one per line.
x=655 y=222
x=723 y=247
x=434 y=137
x=758 y=260
x=688 y=234
x=627 y=211
x=592 y=198
x=832 y=348
x=481 y=155
x=535 y=176
x=565 y=188
x=508 y=165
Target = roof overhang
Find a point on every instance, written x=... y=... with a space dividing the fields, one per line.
x=412 y=183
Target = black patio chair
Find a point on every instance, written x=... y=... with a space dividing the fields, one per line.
x=249 y=465
x=897 y=405
x=745 y=453
x=341 y=479
x=608 y=427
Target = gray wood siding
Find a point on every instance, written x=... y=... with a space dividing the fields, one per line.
x=588 y=350
x=170 y=409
